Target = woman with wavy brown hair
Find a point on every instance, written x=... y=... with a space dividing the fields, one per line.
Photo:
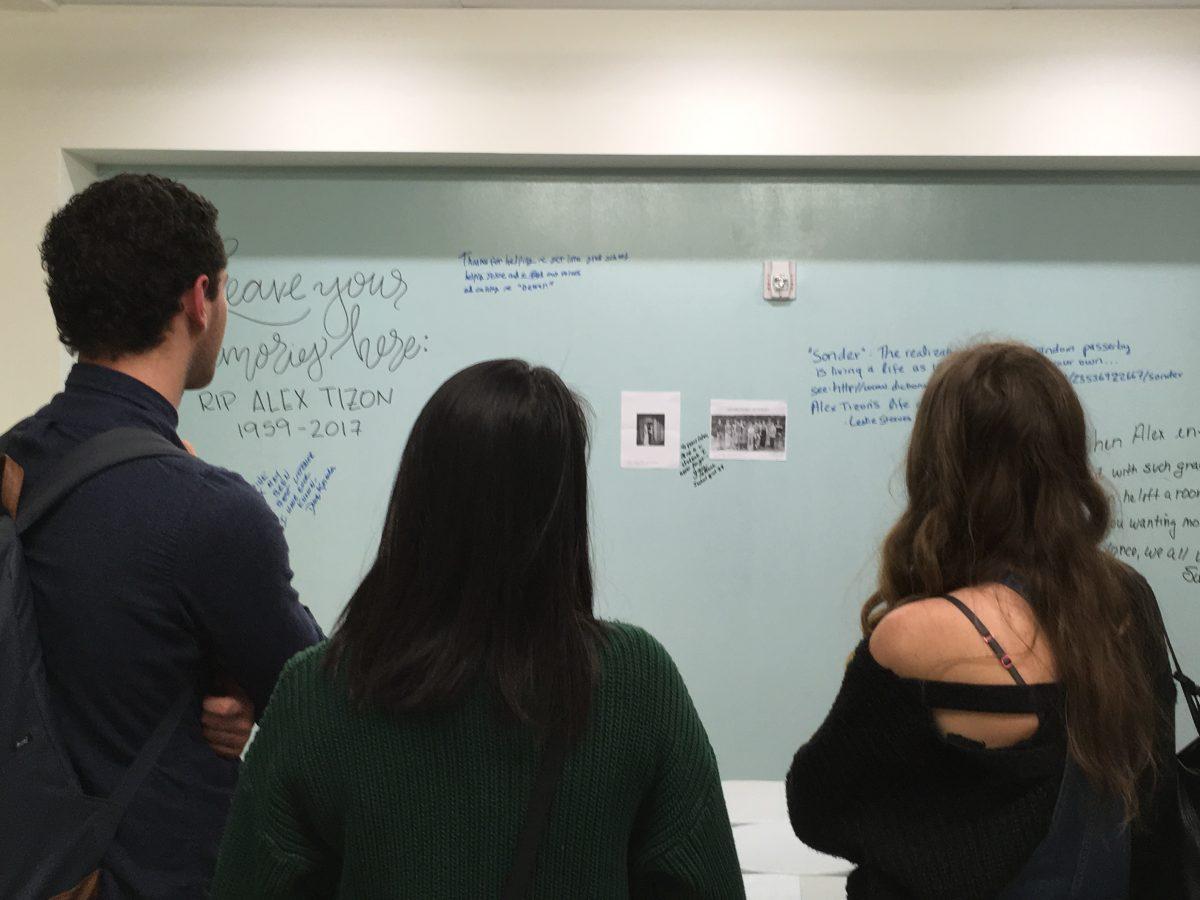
x=1006 y=727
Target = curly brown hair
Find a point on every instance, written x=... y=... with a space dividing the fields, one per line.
x=118 y=257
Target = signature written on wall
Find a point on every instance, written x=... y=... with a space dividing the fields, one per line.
x=694 y=461
x=299 y=489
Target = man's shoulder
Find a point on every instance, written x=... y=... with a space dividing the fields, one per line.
x=213 y=486
x=222 y=496
x=45 y=439
x=39 y=442
x=210 y=501
x=218 y=479
x=11 y=436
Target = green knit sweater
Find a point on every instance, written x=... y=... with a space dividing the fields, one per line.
x=336 y=802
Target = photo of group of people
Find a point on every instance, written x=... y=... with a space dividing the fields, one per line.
x=747 y=429
x=749 y=433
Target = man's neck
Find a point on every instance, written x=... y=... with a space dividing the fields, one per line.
x=151 y=370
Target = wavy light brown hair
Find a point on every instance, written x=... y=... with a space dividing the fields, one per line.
x=999 y=481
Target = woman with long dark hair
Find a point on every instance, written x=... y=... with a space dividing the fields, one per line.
x=469 y=685
x=1006 y=727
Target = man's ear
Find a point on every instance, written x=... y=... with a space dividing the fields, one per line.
x=196 y=305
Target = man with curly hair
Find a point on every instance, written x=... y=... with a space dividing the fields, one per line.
x=162 y=576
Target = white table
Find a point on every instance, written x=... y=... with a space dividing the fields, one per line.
x=775 y=864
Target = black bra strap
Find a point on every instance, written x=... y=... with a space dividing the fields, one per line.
x=1005 y=659
x=1036 y=699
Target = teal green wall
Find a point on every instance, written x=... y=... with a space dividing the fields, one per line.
x=754 y=578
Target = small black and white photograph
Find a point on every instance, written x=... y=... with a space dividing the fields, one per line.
x=748 y=429
x=651 y=429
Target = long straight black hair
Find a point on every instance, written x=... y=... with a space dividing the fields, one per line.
x=483 y=567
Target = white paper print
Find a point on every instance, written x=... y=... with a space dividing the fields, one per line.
x=650 y=430
x=748 y=429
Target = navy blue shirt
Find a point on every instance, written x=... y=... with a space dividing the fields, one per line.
x=157 y=577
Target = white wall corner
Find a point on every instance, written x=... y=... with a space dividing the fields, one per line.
x=30 y=5
x=76 y=173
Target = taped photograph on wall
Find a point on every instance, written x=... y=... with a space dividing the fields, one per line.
x=748 y=429
x=650 y=429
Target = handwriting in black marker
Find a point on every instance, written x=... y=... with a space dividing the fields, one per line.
x=694 y=461
x=341 y=324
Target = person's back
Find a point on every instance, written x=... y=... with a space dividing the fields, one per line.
x=401 y=759
x=933 y=640
x=350 y=804
x=935 y=643
x=1005 y=729
x=156 y=579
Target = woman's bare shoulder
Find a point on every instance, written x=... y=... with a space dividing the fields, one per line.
x=931 y=639
x=911 y=639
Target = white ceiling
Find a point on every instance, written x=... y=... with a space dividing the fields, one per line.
x=640 y=4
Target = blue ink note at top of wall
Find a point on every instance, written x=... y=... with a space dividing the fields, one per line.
x=520 y=273
x=289 y=490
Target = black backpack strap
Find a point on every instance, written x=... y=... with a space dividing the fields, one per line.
x=6 y=439
x=1191 y=692
x=92 y=457
x=520 y=876
x=148 y=756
